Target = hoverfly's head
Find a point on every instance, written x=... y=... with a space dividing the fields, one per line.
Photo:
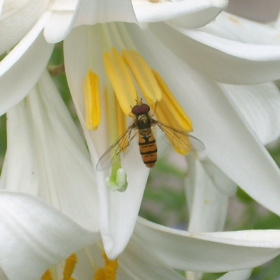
x=140 y=108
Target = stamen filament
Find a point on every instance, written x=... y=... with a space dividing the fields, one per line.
x=169 y=106
x=92 y=103
x=121 y=80
x=143 y=75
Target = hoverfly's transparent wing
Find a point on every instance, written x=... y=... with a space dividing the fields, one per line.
x=117 y=150
x=180 y=140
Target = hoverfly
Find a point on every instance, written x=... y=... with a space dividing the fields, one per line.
x=142 y=126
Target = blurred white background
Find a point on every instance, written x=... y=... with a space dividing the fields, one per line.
x=259 y=10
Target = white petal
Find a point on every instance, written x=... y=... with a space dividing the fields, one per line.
x=24 y=45
x=93 y=12
x=118 y=211
x=56 y=165
x=36 y=236
x=229 y=142
x=240 y=275
x=142 y=262
x=17 y=18
x=137 y=261
x=239 y=29
x=260 y=106
x=22 y=67
x=207 y=204
x=61 y=22
x=224 y=60
x=210 y=252
x=186 y=13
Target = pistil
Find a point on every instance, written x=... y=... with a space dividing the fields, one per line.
x=116 y=127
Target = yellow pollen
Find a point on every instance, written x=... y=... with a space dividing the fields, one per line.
x=47 y=276
x=121 y=80
x=109 y=271
x=69 y=267
x=92 y=102
x=168 y=108
x=143 y=75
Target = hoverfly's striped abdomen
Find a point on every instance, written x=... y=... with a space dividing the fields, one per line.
x=147 y=142
x=148 y=147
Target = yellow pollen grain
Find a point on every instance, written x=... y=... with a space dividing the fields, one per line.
x=92 y=101
x=69 y=267
x=143 y=75
x=169 y=107
x=47 y=275
x=121 y=80
x=109 y=272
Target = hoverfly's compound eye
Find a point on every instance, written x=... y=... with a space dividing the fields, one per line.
x=140 y=109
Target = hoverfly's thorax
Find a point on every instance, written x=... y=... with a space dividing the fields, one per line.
x=143 y=121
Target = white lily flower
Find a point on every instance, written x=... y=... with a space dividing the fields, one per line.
x=41 y=132
x=200 y=91
x=216 y=120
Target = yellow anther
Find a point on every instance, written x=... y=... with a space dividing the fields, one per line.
x=92 y=102
x=109 y=272
x=143 y=75
x=121 y=80
x=47 y=275
x=69 y=267
x=168 y=109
